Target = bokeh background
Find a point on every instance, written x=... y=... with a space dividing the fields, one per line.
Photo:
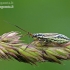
x=36 y=16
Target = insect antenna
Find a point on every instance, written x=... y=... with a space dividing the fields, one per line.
x=28 y=33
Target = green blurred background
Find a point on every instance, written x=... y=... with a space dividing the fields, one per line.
x=36 y=16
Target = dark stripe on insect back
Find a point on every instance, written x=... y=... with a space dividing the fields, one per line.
x=62 y=37
x=60 y=41
x=49 y=40
x=45 y=40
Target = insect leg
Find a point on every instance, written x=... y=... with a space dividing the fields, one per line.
x=29 y=44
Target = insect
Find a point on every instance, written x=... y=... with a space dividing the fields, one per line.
x=52 y=37
x=48 y=37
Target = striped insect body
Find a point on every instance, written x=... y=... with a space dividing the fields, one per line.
x=52 y=37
